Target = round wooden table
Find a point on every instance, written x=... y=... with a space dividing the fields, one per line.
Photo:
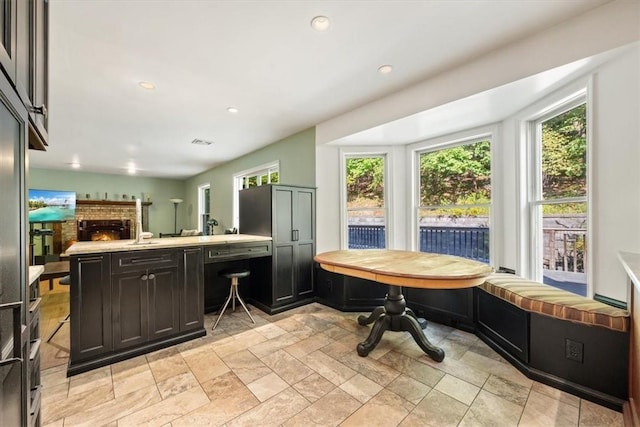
x=402 y=268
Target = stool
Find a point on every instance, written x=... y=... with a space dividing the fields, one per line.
x=66 y=280
x=234 y=275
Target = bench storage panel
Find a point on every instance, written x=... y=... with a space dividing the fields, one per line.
x=553 y=336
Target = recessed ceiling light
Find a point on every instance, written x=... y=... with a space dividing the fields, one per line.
x=75 y=165
x=320 y=23
x=232 y=110
x=385 y=69
x=147 y=85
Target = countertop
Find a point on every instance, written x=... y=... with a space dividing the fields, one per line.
x=631 y=263
x=34 y=272
x=163 y=243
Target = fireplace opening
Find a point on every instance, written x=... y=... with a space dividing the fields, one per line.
x=104 y=229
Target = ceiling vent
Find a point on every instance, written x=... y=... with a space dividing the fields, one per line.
x=199 y=141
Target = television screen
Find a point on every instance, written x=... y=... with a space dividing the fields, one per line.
x=51 y=206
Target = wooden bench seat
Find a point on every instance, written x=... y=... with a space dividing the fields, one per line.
x=556 y=337
x=544 y=299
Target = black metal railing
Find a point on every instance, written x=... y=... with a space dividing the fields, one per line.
x=466 y=242
x=366 y=237
x=472 y=243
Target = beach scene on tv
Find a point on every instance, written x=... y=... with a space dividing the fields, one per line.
x=51 y=206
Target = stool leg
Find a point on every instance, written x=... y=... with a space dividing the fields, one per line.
x=244 y=306
x=234 y=289
x=60 y=323
x=224 y=307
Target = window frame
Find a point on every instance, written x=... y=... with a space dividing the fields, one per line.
x=361 y=152
x=202 y=209
x=489 y=132
x=555 y=105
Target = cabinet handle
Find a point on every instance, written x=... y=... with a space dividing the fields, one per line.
x=144 y=277
x=152 y=276
x=295 y=235
x=17 y=333
x=42 y=109
x=137 y=260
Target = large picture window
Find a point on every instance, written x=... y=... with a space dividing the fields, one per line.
x=558 y=199
x=366 y=209
x=454 y=200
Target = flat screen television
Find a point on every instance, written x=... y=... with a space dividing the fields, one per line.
x=51 y=205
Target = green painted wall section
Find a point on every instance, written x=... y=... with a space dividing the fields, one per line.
x=160 y=190
x=297 y=157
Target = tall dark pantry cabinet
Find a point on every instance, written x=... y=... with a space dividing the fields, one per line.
x=287 y=214
x=23 y=125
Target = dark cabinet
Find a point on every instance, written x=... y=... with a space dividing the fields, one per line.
x=191 y=289
x=19 y=315
x=8 y=37
x=90 y=304
x=145 y=297
x=31 y=66
x=287 y=214
x=129 y=303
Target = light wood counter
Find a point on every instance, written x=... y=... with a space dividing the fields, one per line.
x=164 y=243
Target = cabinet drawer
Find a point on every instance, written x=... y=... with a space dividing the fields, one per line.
x=251 y=250
x=211 y=253
x=219 y=253
x=142 y=260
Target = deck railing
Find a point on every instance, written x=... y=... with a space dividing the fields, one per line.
x=564 y=248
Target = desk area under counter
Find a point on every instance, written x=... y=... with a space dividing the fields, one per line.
x=128 y=299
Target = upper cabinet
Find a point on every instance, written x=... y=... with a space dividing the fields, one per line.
x=8 y=38
x=24 y=59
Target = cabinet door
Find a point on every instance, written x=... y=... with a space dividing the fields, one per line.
x=163 y=302
x=91 y=332
x=191 y=288
x=40 y=68
x=8 y=37
x=130 y=309
x=283 y=202
x=304 y=235
x=283 y=274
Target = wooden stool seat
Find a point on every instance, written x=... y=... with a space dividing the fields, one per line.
x=234 y=275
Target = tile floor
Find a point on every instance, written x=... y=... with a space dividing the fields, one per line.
x=300 y=368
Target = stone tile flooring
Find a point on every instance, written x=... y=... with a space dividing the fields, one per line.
x=300 y=368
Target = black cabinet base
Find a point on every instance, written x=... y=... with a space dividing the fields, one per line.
x=281 y=308
x=81 y=366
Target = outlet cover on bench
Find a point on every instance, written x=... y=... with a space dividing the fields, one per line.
x=574 y=350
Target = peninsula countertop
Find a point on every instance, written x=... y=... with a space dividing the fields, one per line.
x=163 y=243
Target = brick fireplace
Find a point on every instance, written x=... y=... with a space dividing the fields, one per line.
x=104 y=210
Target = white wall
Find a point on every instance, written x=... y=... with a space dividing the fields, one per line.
x=615 y=200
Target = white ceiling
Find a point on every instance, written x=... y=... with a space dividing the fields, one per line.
x=261 y=57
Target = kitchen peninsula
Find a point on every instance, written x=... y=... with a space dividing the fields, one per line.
x=130 y=298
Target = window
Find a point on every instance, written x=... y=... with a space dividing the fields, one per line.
x=261 y=175
x=204 y=202
x=366 y=210
x=454 y=199
x=558 y=200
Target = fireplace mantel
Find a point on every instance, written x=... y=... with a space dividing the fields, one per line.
x=110 y=202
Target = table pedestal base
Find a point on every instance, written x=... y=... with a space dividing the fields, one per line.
x=395 y=316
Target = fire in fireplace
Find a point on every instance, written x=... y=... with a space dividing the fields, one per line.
x=104 y=229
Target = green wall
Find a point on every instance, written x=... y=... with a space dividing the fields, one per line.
x=161 y=211
x=296 y=154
